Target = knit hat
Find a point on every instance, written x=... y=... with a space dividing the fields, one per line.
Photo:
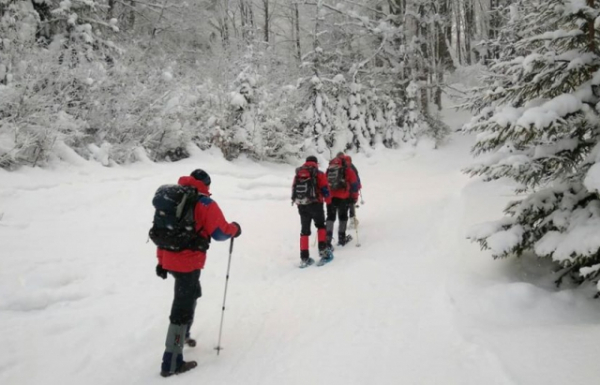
x=312 y=158
x=202 y=176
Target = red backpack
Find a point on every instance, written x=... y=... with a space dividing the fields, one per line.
x=304 y=191
x=336 y=174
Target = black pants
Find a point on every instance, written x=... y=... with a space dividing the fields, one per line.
x=187 y=291
x=351 y=208
x=338 y=208
x=308 y=214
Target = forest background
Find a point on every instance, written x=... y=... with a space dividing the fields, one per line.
x=117 y=80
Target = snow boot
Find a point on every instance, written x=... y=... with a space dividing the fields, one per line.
x=306 y=262
x=184 y=367
x=189 y=341
x=329 y=229
x=172 y=361
x=342 y=237
x=326 y=256
x=344 y=240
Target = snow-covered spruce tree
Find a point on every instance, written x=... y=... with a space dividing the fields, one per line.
x=340 y=92
x=540 y=126
x=242 y=133
x=321 y=64
x=279 y=120
x=390 y=130
x=318 y=118
x=361 y=137
x=376 y=103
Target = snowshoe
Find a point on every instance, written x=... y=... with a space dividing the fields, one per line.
x=326 y=257
x=344 y=241
x=306 y=262
x=184 y=367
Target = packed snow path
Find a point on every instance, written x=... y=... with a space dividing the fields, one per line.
x=416 y=304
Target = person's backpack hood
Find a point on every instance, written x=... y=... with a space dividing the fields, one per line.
x=193 y=182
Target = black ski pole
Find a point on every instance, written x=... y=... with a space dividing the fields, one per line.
x=219 y=348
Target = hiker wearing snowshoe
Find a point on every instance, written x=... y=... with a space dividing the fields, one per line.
x=351 y=203
x=185 y=220
x=309 y=191
x=343 y=185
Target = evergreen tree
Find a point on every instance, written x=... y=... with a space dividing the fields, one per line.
x=242 y=133
x=539 y=125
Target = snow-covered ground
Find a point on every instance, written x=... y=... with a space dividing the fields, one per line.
x=416 y=304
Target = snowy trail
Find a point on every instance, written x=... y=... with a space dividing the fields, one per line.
x=79 y=301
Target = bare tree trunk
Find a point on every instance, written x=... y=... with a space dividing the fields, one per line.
x=111 y=9
x=131 y=16
x=457 y=15
x=297 y=26
x=469 y=21
x=494 y=26
x=316 y=42
x=243 y=19
x=225 y=26
x=266 y=27
x=160 y=16
x=591 y=29
x=444 y=58
x=423 y=75
x=397 y=7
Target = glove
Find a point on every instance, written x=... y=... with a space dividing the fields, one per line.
x=239 y=231
x=161 y=272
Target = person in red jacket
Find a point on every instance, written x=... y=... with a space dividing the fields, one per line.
x=352 y=204
x=185 y=267
x=343 y=184
x=309 y=195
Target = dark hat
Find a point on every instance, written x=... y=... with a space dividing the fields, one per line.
x=202 y=176
x=312 y=158
x=339 y=154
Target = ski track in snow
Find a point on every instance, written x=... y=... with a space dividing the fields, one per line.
x=416 y=304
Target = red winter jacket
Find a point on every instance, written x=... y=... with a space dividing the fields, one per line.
x=210 y=222
x=323 y=194
x=353 y=167
x=352 y=185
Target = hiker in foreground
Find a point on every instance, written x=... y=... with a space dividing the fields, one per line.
x=343 y=185
x=309 y=192
x=185 y=220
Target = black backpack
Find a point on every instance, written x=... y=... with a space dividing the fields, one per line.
x=336 y=174
x=174 y=227
x=304 y=191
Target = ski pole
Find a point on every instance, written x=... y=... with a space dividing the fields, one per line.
x=356 y=229
x=362 y=202
x=219 y=348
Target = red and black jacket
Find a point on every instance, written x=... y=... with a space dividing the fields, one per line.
x=210 y=223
